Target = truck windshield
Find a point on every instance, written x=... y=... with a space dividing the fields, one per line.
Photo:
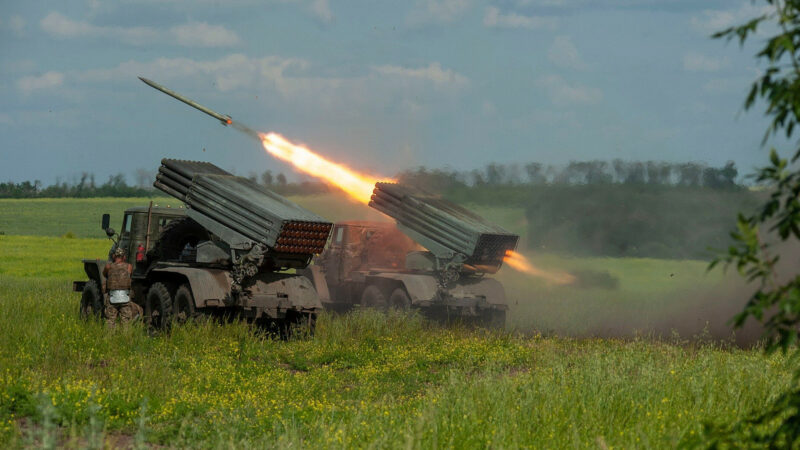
x=126 y=224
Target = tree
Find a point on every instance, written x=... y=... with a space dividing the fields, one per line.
x=690 y=174
x=761 y=237
x=535 y=173
x=635 y=173
x=495 y=174
x=266 y=178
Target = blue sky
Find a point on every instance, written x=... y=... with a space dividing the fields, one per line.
x=379 y=85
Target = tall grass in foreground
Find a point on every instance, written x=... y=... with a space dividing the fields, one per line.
x=363 y=379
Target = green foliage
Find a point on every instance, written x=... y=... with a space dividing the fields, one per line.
x=86 y=187
x=633 y=221
x=763 y=237
x=576 y=173
x=363 y=380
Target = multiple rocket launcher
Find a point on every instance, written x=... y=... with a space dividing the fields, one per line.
x=244 y=213
x=239 y=211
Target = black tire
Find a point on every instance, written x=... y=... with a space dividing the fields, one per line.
x=400 y=300
x=373 y=297
x=91 y=301
x=183 y=307
x=158 y=307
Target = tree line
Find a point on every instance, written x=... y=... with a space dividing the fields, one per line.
x=576 y=173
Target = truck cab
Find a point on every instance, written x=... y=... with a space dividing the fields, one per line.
x=141 y=228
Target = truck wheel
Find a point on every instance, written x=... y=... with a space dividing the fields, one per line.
x=91 y=301
x=158 y=308
x=183 y=307
x=373 y=297
x=400 y=300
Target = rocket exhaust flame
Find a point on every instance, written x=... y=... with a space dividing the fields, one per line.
x=520 y=263
x=357 y=185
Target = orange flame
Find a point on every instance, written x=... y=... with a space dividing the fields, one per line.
x=357 y=185
x=522 y=264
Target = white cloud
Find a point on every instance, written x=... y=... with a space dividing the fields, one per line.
x=291 y=79
x=17 y=25
x=711 y=21
x=229 y=73
x=201 y=34
x=433 y=72
x=697 y=62
x=57 y=24
x=564 y=54
x=32 y=83
x=322 y=10
x=193 y=34
x=437 y=11
x=563 y=93
x=496 y=19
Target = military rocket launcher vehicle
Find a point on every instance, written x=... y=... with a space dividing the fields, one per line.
x=226 y=251
x=434 y=259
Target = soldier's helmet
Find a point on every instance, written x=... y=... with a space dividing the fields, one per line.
x=119 y=253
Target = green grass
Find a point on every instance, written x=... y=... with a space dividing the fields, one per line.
x=363 y=380
x=59 y=216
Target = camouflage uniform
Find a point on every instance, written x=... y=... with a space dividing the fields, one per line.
x=118 y=278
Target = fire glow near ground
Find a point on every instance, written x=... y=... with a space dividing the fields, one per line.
x=359 y=187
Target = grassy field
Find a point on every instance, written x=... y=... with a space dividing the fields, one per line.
x=622 y=295
x=81 y=217
x=369 y=380
x=362 y=380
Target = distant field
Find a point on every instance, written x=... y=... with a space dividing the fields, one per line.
x=58 y=216
x=365 y=379
x=55 y=217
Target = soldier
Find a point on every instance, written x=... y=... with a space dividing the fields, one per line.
x=118 y=287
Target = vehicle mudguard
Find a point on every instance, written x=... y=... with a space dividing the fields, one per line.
x=94 y=270
x=317 y=277
x=210 y=287
x=488 y=288
x=282 y=291
x=420 y=287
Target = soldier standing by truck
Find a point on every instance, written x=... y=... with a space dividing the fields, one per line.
x=118 y=287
